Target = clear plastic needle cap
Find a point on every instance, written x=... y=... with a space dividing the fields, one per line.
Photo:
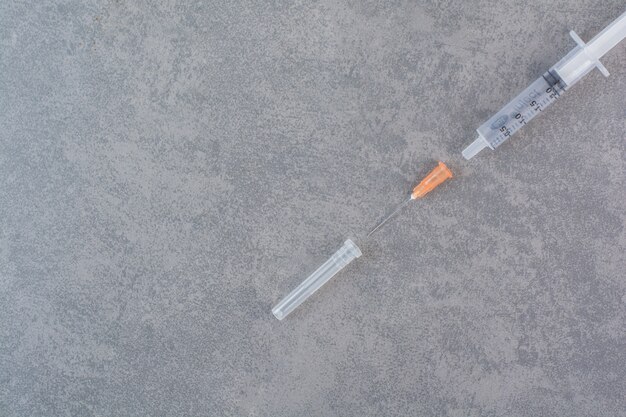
x=346 y=254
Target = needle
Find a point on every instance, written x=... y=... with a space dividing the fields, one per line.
x=429 y=183
x=393 y=213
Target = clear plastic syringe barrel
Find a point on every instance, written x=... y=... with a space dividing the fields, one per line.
x=512 y=117
x=543 y=92
x=334 y=264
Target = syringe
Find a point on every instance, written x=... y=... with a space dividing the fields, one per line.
x=543 y=92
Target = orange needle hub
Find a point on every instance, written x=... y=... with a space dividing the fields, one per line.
x=431 y=181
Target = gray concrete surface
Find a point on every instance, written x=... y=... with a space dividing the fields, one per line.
x=170 y=170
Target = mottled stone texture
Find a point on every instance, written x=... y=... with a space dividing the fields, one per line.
x=170 y=169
